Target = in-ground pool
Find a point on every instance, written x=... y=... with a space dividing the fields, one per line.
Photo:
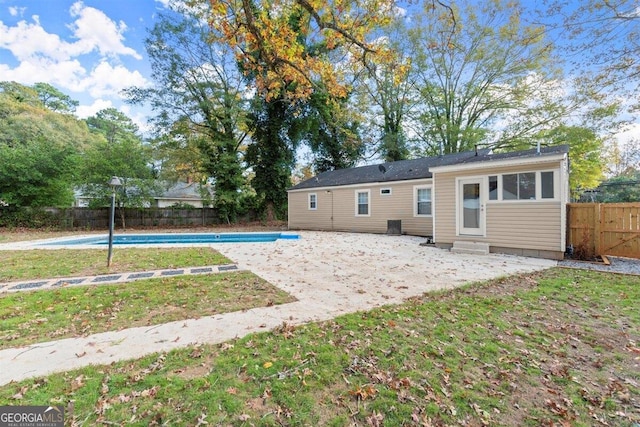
x=176 y=238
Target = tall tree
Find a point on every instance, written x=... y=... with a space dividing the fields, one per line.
x=623 y=160
x=55 y=100
x=114 y=125
x=483 y=76
x=586 y=160
x=120 y=152
x=39 y=149
x=275 y=135
x=332 y=132
x=600 y=38
x=387 y=90
x=265 y=43
x=199 y=100
x=624 y=188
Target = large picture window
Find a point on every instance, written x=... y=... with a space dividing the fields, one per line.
x=362 y=203
x=519 y=186
x=422 y=201
x=541 y=185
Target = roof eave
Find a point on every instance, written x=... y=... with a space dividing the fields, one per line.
x=486 y=164
x=359 y=184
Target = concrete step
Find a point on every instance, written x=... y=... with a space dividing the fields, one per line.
x=466 y=247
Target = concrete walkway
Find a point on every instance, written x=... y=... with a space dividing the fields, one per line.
x=329 y=273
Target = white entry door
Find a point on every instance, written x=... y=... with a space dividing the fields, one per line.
x=471 y=218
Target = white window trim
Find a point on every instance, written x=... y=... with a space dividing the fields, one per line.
x=315 y=195
x=538 y=199
x=556 y=186
x=386 y=194
x=368 y=203
x=415 y=200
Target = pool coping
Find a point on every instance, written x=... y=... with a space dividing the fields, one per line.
x=111 y=278
x=66 y=241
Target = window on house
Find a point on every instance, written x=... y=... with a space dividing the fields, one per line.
x=519 y=186
x=385 y=191
x=546 y=185
x=313 y=201
x=362 y=203
x=493 y=187
x=423 y=201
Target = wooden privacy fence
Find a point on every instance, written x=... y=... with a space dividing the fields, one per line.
x=606 y=228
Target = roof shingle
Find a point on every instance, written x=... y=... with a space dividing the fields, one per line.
x=404 y=170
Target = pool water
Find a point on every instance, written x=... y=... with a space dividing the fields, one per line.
x=177 y=238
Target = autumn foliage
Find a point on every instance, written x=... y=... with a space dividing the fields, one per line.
x=272 y=40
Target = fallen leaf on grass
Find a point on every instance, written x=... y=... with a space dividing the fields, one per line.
x=226 y=346
x=375 y=420
x=365 y=392
x=202 y=420
x=77 y=382
x=20 y=395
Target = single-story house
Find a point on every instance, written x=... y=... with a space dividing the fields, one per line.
x=476 y=201
x=170 y=194
x=185 y=193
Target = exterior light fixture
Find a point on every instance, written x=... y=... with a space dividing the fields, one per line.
x=114 y=183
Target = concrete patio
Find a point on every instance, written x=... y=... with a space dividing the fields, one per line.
x=328 y=273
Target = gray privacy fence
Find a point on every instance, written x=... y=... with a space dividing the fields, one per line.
x=98 y=219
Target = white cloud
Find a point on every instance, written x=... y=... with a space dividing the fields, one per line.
x=137 y=117
x=165 y=3
x=84 y=111
x=93 y=31
x=108 y=80
x=96 y=31
x=28 y=40
x=45 y=57
x=65 y=74
x=629 y=135
x=16 y=11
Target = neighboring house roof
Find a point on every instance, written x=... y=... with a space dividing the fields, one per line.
x=176 y=191
x=184 y=191
x=404 y=170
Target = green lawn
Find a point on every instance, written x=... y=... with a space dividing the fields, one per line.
x=554 y=348
x=45 y=264
x=35 y=316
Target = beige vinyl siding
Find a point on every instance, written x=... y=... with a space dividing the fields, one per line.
x=523 y=224
x=342 y=202
x=444 y=205
x=536 y=226
x=304 y=218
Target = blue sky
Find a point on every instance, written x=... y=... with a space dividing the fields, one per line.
x=89 y=49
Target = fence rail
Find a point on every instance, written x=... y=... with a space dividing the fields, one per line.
x=605 y=228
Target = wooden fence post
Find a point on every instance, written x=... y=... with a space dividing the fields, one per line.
x=597 y=227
